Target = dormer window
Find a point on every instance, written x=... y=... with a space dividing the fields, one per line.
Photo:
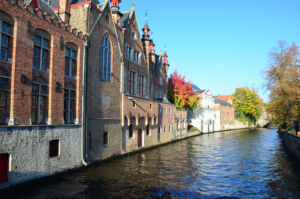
x=133 y=36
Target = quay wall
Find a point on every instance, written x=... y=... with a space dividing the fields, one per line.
x=28 y=151
x=292 y=142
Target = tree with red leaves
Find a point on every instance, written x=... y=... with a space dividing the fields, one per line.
x=181 y=93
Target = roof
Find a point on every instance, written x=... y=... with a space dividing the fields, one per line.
x=225 y=97
x=55 y=3
x=124 y=21
x=46 y=6
x=196 y=88
x=164 y=99
x=220 y=101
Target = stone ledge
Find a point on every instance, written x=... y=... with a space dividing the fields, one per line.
x=39 y=127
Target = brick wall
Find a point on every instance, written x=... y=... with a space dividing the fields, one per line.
x=25 y=24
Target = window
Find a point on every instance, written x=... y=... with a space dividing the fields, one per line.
x=39 y=103
x=4 y=168
x=105 y=138
x=105 y=59
x=159 y=109
x=136 y=57
x=133 y=104
x=130 y=131
x=169 y=128
x=4 y=100
x=131 y=54
x=160 y=80
x=70 y=62
x=53 y=148
x=69 y=106
x=148 y=129
x=127 y=52
x=132 y=82
x=139 y=59
x=133 y=36
x=5 y=41
x=141 y=86
x=41 y=53
x=150 y=106
x=164 y=128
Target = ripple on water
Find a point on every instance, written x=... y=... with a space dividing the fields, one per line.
x=235 y=164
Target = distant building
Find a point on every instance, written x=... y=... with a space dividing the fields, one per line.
x=226 y=112
x=205 y=118
x=227 y=98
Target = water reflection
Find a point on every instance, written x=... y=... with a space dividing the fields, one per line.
x=237 y=164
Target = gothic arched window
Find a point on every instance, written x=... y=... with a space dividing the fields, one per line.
x=105 y=59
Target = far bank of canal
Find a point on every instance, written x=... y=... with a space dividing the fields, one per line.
x=235 y=164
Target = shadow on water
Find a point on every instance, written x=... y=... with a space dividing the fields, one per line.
x=234 y=164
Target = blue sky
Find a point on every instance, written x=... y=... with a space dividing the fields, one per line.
x=220 y=44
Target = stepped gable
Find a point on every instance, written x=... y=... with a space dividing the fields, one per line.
x=41 y=11
x=54 y=4
x=44 y=5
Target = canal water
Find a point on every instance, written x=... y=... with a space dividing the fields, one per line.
x=234 y=164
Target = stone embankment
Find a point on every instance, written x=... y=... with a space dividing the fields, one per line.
x=292 y=143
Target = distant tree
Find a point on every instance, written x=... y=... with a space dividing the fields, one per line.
x=283 y=83
x=248 y=104
x=181 y=93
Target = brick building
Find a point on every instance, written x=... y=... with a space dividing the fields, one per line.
x=59 y=55
x=227 y=98
x=127 y=81
x=226 y=113
x=41 y=66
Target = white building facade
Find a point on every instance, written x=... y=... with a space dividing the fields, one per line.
x=205 y=118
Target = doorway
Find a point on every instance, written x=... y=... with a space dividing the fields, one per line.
x=140 y=138
x=3 y=168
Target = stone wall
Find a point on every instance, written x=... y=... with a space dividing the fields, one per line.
x=292 y=142
x=28 y=150
x=237 y=124
x=180 y=124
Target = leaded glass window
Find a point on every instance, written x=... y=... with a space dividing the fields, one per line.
x=105 y=59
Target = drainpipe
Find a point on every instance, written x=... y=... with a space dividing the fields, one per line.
x=84 y=133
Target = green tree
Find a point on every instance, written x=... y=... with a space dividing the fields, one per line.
x=248 y=104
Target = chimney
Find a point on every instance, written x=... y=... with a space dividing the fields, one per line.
x=64 y=10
